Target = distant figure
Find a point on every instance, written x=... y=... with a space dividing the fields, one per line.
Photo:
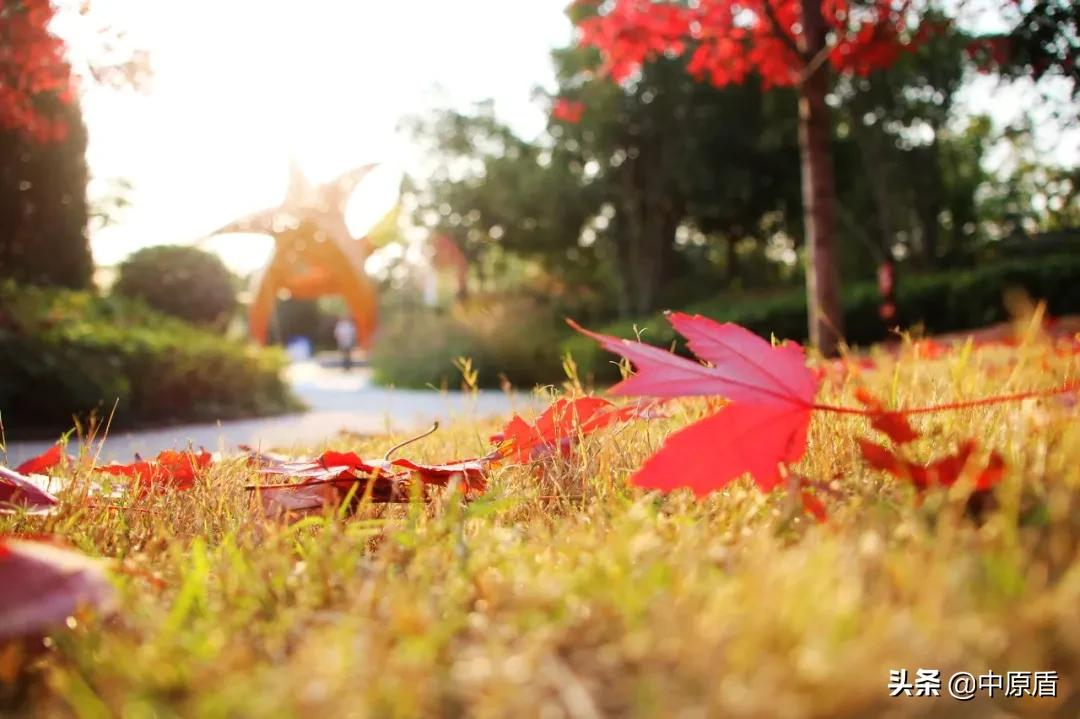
x=345 y=334
x=299 y=349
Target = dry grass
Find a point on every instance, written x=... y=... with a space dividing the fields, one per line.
x=564 y=592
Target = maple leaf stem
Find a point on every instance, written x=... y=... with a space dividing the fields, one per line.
x=967 y=404
x=841 y=410
x=407 y=442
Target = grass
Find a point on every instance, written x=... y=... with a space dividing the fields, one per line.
x=566 y=592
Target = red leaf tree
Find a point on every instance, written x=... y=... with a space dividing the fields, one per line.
x=796 y=43
x=34 y=73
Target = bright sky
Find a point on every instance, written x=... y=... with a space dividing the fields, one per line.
x=240 y=84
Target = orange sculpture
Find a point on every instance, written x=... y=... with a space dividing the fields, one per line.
x=314 y=254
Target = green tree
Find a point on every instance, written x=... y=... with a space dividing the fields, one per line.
x=683 y=167
x=897 y=121
x=651 y=188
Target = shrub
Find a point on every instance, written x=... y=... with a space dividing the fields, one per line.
x=65 y=353
x=184 y=282
x=508 y=338
x=940 y=302
x=525 y=342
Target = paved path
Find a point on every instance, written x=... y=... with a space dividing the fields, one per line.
x=338 y=400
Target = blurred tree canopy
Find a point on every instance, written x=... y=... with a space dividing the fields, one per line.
x=43 y=171
x=663 y=191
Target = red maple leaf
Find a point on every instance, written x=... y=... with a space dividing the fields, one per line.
x=171 y=468
x=943 y=472
x=765 y=425
x=741 y=438
x=893 y=424
x=46 y=460
x=559 y=427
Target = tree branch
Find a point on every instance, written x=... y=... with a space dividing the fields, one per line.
x=782 y=35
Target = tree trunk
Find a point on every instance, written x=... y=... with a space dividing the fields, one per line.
x=929 y=203
x=819 y=192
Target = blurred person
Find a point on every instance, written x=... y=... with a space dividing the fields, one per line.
x=345 y=335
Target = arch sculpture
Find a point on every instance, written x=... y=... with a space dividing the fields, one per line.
x=314 y=254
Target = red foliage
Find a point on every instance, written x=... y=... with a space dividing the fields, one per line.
x=940 y=473
x=171 y=468
x=731 y=39
x=635 y=31
x=814 y=507
x=329 y=478
x=741 y=438
x=559 y=427
x=765 y=425
x=569 y=111
x=893 y=424
x=46 y=460
x=32 y=67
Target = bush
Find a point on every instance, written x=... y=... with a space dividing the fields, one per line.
x=511 y=339
x=184 y=282
x=65 y=353
x=940 y=302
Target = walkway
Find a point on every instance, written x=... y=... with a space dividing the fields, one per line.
x=339 y=401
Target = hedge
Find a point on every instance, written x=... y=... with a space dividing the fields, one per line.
x=66 y=353
x=940 y=302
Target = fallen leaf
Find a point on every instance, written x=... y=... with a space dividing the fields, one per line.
x=880 y=457
x=42 y=584
x=470 y=470
x=745 y=368
x=171 y=468
x=44 y=461
x=943 y=472
x=894 y=424
x=772 y=397
x=741 y=438
x=328 y=479
x=19 y=490
x=814 y=507
x=560 y=425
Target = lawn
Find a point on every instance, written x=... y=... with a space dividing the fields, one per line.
x=563 y=590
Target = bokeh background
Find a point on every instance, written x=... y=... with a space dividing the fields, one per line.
x=515 y=183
